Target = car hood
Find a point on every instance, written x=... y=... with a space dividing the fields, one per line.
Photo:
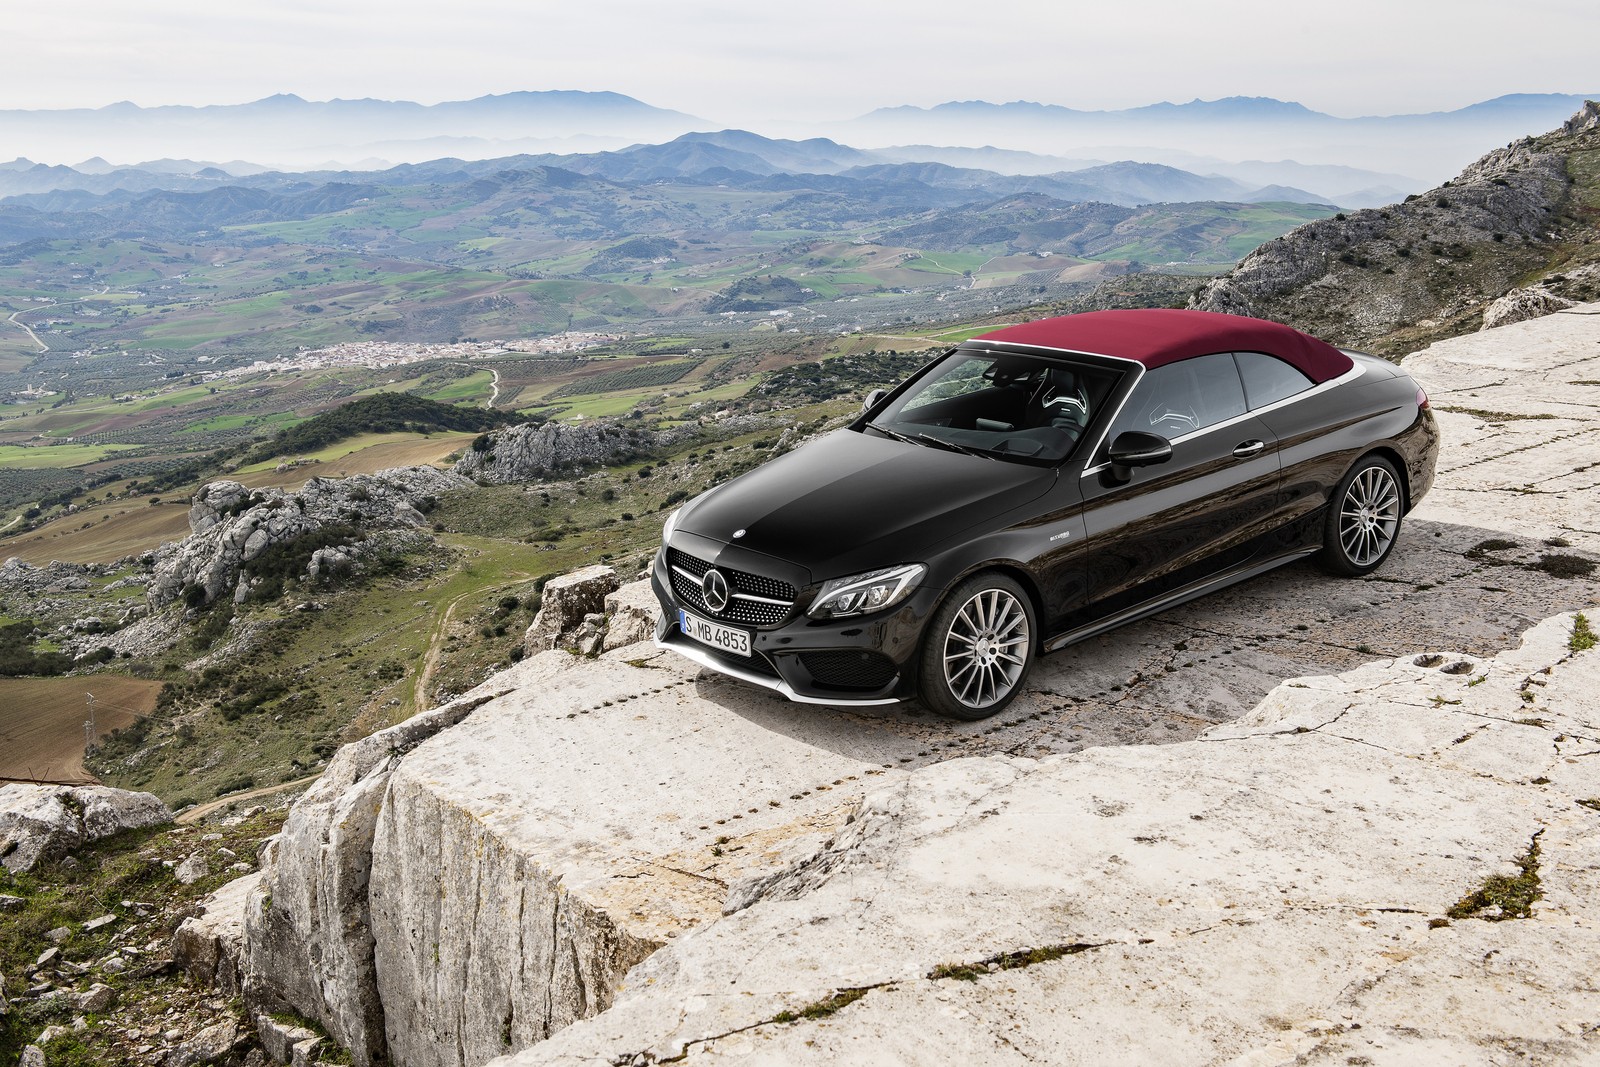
x=851 y=502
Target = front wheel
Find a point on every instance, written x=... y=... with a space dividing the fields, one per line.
x=978 y=649
x=1363 y=518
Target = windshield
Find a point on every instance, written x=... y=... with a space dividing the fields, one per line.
x=1003 y=405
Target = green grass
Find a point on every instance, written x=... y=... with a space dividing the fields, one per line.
x=281 y=420
x=339 y=450
x=823 y=1008
x=1583 y=638
x=1006 y=961
x=1503 y=897
x=101 y=877
x=56 y=457
x=475 y=386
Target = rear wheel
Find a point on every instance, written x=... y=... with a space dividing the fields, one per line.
x=1363 y=518
x=978 y=649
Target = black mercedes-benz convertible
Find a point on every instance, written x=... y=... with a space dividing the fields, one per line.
x=1036 y=486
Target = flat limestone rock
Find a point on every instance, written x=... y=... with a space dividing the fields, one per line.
x=1278 y=888
x=525 y=860
x=1520 y=416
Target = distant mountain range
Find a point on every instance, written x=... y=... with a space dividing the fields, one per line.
x=1429 y=146
x=742 y=159
x=286 y=132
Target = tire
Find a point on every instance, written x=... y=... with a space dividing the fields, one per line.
x=1363 y=520
x=978 y=648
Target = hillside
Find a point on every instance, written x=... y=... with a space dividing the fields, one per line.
x=649 y=239
x=1392 y=279
x=379 y=413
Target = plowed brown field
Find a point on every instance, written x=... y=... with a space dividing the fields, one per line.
x=41 y=721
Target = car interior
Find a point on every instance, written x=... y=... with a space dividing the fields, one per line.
x=1013 y=405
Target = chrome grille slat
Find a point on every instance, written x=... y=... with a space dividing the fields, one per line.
x=762 y=599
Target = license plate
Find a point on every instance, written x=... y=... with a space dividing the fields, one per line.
x=724 y=638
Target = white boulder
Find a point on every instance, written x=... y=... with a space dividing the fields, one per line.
x=39 y=822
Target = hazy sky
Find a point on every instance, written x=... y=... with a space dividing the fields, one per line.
x=745 y=62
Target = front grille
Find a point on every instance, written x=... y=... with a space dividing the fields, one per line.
x=844 y=669
x=756 y=599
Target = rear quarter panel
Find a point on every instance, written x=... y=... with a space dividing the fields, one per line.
x=1320 y=437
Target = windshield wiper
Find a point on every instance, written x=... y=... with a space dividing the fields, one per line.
x=957 y=447
x=938 y=442
x=896 y=434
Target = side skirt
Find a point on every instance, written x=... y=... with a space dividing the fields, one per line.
x=1174 y=598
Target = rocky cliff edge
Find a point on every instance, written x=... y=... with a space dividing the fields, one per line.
x=613 y=860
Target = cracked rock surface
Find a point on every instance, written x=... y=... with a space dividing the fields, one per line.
x=1277 y=888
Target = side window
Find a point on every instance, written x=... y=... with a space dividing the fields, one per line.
x=1183 y=397
x=1268 y=379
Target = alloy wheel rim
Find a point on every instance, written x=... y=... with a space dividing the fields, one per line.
x=986 y=648
x=1369 y=516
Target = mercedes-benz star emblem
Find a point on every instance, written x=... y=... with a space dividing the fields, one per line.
x=715 y=587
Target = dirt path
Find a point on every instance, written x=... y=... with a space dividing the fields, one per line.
x=200 y=811
x=430 y=659
x=19 y=324
x=441 y=630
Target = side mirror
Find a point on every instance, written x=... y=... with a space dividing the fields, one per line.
x=1134 y=448
x=872 y=399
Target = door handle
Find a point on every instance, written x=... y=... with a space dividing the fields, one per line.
x=1248 y=449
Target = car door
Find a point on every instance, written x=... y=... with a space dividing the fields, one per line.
x=1205 y=510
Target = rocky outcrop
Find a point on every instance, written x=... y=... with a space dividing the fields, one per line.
x=1587 y=120
x=308 y=928
x=630 y=615
x=41 y=822
x=21 y=577
x=567 y=605
x=1520 y=305
x=1391 y=279
x=528 y=452
x=232 y=525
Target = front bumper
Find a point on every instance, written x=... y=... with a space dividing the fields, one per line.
x=878 y=654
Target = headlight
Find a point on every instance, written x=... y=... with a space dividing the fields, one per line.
x=670 y=525
x=872 y=591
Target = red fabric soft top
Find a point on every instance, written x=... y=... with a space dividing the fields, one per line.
x=1158 y=336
